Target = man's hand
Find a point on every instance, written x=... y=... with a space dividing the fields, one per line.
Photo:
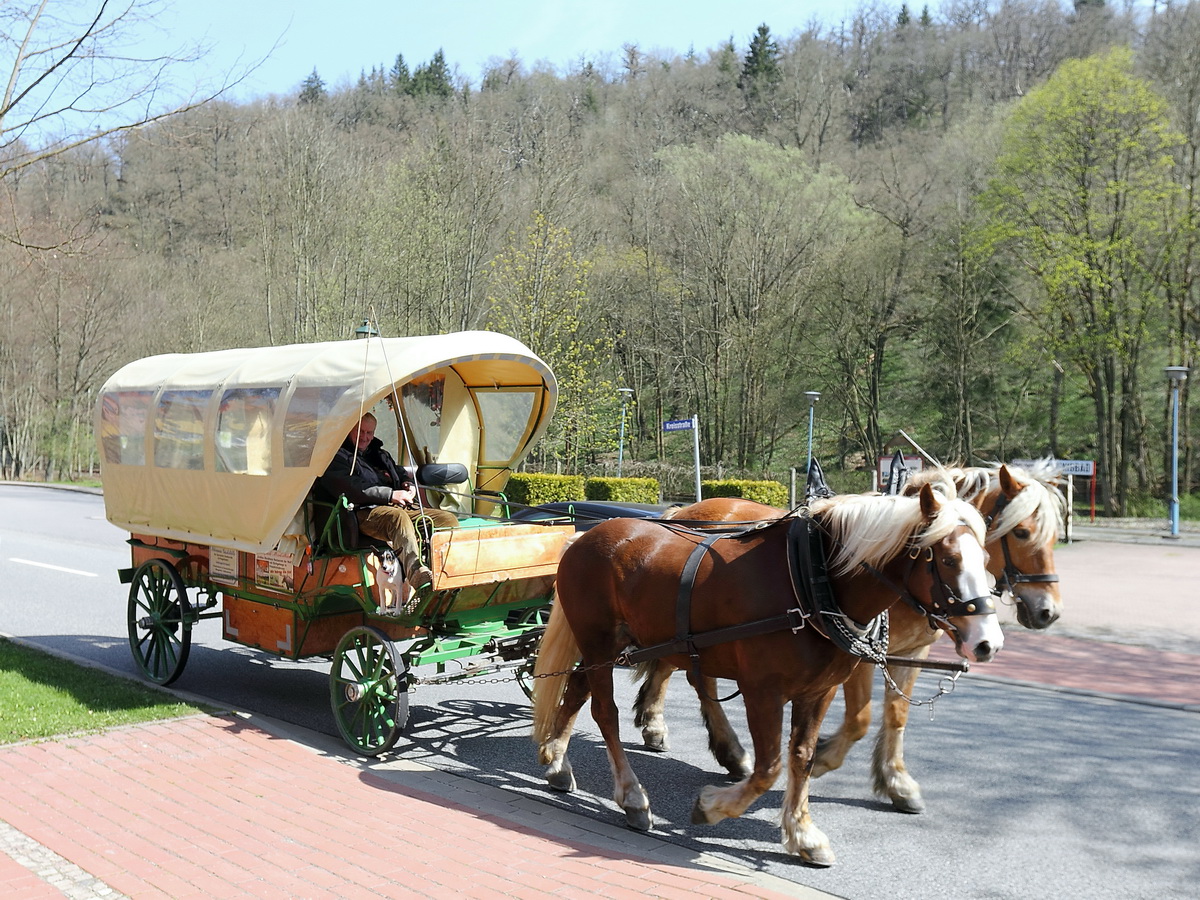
x=405 y=497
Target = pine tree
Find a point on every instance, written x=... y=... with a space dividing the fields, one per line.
x=432 y=80
x=760 y=69
x=312 y=90
x=399 y=77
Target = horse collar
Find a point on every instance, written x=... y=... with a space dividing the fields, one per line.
x=808 y=567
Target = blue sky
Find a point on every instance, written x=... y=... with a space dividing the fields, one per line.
x=341 y=39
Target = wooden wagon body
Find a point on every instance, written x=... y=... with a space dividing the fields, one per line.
x=209 y=460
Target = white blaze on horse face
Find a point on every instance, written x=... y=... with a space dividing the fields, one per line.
x=978 y=638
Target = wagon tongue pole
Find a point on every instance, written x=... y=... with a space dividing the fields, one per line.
x=952 y=665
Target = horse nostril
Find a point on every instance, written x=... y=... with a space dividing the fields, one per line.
x=983 y=651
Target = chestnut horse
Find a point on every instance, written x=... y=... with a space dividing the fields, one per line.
x=696 y=599
x=1024 y=512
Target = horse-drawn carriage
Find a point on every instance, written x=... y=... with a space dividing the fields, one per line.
x=209 y=461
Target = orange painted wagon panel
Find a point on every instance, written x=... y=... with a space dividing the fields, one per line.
x=466 y=557
x=277 y=629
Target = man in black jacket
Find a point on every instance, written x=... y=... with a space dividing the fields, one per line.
x=384 y=497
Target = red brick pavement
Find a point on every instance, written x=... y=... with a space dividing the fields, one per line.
x=1136 y=672
x=211 y=806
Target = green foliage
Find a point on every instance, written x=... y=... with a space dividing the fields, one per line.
x=532 y=489
x=1084 y=175
x=772 y=493
x=623 y=490
x=43 y=696
x=540 y=295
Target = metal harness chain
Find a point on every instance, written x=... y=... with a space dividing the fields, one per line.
x=945 y=686
x=482 y=678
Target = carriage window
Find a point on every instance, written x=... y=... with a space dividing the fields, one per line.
x=244 y=430
x=308 y=406
x=123 y=426
x=505 y=419
x=422 y=399
x=179 y=429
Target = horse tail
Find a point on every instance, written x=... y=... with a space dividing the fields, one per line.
x=557 y=655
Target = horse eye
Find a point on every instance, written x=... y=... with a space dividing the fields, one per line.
x=950 y=562
x=1021 y=534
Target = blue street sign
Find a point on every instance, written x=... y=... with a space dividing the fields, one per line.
x=677 y=425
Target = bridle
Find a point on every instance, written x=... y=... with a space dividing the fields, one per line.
x=1012 y=576
x=945 y=603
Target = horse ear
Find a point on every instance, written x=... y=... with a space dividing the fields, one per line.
x=930 y=504
x=1008 y=484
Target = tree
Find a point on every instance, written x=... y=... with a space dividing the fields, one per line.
x=539 y=294
x=760 y=69
x=312 y=90
x=432 y=80
x=72 y=81
x=1083 y=176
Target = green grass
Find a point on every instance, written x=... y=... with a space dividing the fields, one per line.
x=42 y=696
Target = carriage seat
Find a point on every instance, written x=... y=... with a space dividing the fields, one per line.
x=335 y=526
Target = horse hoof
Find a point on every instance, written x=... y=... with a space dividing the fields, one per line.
x=561 y=781
x=638 y=819
x=911 y=805
x=818 y=857
x=656 y=744
x=702 y=817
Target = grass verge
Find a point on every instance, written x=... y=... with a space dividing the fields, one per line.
x=42 y=696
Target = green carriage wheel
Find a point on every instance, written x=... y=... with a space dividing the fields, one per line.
x=368 y=688
x=160 y=633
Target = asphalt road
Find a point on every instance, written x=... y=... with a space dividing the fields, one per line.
x=1031 y=792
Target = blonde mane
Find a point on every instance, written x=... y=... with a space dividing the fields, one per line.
x=873 y=529
x=1039 y=497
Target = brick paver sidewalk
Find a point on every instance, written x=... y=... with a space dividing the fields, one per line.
x=210 y=806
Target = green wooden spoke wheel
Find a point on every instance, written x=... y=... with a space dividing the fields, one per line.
x=160 y=632
x=368 y=688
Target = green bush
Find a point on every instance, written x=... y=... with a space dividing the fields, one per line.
x=622 y=490
x=532 y=489
x=772 y=493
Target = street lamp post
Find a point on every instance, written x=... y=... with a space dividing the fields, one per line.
x=626 y=393
x=1177 y=376
x=813 y=397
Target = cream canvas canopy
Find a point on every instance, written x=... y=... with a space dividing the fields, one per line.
x=222 y=448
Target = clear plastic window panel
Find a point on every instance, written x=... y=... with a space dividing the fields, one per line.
x=123 y=426
x=505 y=417
x=422 y=399
x=244 y=430
x=307 y=408
x=179 y=429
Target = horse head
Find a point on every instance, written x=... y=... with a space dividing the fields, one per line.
x=958 y=583
x=1024 y=515
x=929 y=549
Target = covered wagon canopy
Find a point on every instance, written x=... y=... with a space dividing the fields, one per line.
x=222 y=448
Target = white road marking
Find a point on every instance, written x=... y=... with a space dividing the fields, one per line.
x=41 y=565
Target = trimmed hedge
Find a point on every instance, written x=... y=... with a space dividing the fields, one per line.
x=531 y=489
x=622 y=490
x=772 y=493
